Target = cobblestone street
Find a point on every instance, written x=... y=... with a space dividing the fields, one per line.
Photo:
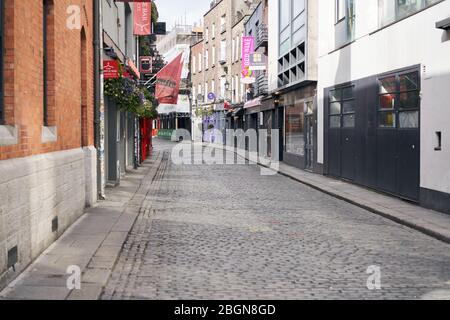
x=227 y=232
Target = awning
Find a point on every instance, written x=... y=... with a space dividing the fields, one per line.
x=253 y=103
x=133 y=68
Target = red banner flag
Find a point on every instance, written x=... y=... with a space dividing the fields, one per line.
x=142 y=18
x=168 y=81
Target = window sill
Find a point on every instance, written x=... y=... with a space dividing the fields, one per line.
x=49 y=134
x=9 y=135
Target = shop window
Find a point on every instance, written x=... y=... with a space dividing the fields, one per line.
x=294 y=134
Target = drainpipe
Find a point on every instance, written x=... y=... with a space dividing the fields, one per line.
x=99 y=104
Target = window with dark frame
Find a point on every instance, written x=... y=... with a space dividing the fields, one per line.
x=399 y=101
x=2 y=17
x=342 y=108
x=340 y=10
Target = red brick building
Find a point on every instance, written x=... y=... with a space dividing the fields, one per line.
x=47 y=158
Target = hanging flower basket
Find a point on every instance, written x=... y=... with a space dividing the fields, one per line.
x=130 y=97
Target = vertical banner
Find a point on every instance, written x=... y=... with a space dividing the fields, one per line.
x=142 y=18
x=248 y=47
x=168 y=81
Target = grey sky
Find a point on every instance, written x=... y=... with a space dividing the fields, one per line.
x=171 y=11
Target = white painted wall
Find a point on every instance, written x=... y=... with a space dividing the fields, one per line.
x=273 y=45
x=412 y=41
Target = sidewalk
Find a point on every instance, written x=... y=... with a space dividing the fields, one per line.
x=93 y=244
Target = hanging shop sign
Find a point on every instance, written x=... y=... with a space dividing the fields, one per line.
x=248 y=47
x=110 y=69
x=142 y=18
x=146 y=65
x=258 y=61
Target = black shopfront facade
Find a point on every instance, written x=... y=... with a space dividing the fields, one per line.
x=296 y=118
x=372 y=132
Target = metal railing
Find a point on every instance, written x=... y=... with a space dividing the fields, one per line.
x=262 y=35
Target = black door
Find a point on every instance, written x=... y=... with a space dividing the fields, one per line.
x=398 y=134
x=280 y=127
x=341 y=133
x=309 y=136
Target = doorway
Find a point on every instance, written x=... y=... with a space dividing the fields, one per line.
x=309 y=135
x=341 y=142
x=398 y=134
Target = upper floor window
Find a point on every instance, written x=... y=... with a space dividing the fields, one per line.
x=340 y=10
x=213 y=30
x=292 y=27
x=207 y=34
x=223 y=23
x=391 y=11
x=223 y=50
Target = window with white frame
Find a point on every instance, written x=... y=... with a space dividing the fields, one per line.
x=194 y=65
x=233 y=48
x=213 y=55
x=206 y=59
x=223 y=50
x=238 y=96
x=213 y=30
x=223 y=23
x=222 y=86
x=199 y=62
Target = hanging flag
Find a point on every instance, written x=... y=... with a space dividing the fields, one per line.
x=248 y=47
x=142 y=18
x=168 y=81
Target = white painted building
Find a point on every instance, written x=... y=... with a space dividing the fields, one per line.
x=384 y=96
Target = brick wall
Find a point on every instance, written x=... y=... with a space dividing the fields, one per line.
x=44 y=182
x=23 y=69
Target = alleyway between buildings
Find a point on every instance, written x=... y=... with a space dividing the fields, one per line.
x=227 y=232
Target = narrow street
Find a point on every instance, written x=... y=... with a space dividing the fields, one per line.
x=226 y=232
